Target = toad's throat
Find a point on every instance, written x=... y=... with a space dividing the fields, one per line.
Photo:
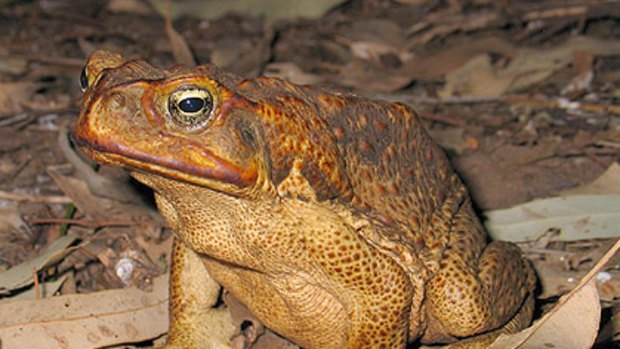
x=210 y=167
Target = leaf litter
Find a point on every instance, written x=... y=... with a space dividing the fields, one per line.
x=523 y=96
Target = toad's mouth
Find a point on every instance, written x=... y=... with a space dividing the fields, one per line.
x=195 y=164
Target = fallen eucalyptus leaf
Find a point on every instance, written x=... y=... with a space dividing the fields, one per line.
x=46 y=289
x=15 y=95
x=94 y=320
x=607 y=183
x=272 y=9
x=587 y=212
x=478 y=77
x=21 y=275
x=572 y=323
x=576 y=217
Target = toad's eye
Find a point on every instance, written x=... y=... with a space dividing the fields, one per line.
x=83 y=80
x=192 y=104
x=190 y=107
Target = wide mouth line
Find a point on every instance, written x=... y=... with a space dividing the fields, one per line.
x=219 y=171
x=135 y=164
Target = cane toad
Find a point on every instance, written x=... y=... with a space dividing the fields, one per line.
x=335 y=219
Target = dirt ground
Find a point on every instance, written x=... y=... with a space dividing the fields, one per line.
x=524 y=96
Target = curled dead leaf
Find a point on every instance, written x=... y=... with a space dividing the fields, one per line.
x=572 y=323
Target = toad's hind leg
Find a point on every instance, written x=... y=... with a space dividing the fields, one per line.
x=518 y=322
x=479 y=289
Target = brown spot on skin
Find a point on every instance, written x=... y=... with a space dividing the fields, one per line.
x=386 y=219
x=362 y=121
x=392 y=188
x=339 y=132
x=365 y=146
x=379 y=125
x=379 y=189
x=429 y=155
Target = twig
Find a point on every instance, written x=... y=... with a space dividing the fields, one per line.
x=180 y=48
x=545 y=102
x=565 y=298
x=67 y=61
x=608 y=144
x=569 y=11
x=14 y=119
x=35 y=278
x=83 y=222
x=442 y=23
x=561 y=103
x=50 y=199
x=599 y=265
x=441 y=119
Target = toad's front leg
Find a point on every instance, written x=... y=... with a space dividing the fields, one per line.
x=194 y=321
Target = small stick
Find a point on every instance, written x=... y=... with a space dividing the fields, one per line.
x=50 y=199
x=83 y=222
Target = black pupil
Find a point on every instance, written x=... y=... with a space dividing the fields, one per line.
x=192 y=104
x=83 y=79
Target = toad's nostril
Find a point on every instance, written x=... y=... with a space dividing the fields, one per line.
x=117 y=100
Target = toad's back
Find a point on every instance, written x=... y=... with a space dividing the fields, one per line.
x=384 y=164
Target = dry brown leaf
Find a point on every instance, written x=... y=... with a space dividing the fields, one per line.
x=474 y=78
x=100 y=209
x=241 y=55
x=583 y=68
x=414 y=2
x=82 y=321
x=15 y=240
x=606 y=184
x=555 y=280
x=365 y=76
x=137 y=7
x=78 y=191
x=10 y=219
x=576 y=217
x=291 y=72
x=180 y=48
x=15 y=66
x=452 y=138
x=436 y=65
x=373 y=51
x=116 y=188
x=15 y=95
x=381 y=41
x=22 y=275
x=43 y=290
x=527 y=67
x=272 y=9
x=572 y=323
x=588 y=212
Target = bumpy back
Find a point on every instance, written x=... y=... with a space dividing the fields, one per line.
x=374 y=156
x=399 y=175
